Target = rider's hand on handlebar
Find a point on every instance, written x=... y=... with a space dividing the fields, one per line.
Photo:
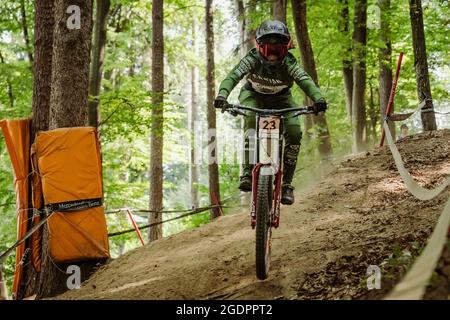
x=235 y=112
x=220 y=103
x=320 y=106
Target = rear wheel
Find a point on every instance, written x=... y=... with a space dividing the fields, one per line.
x=263 y=226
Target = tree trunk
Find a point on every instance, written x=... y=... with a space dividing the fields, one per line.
x=98 y=57
x=359 y=76
x=309 y=64
x=70 y=66
x=42 y=73
x=194 y=172
x=246 y=36
x=26 y=37
x=240 y=15
x=42 y=69
x=347 y=69
x=3 y=291
x=385 y=62
x=308 y=119
x=157 y=130
x=68 y=106
x=374 y=114
x=421 y=65
x=279 y=10
x=213 y=168
x=250 y=33
x=194 y=167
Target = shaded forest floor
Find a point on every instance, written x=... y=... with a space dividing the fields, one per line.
x=361 y=214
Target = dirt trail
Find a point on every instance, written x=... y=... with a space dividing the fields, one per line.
x=354 y=218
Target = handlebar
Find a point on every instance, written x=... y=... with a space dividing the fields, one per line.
x=237 y=109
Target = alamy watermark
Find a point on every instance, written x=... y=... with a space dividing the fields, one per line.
x=74 y=20
x=374 y=277
x=373 y=17
x=211 y=146
x=74 y=279
x=222 y=148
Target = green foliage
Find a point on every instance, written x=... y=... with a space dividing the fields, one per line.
x=399 y=261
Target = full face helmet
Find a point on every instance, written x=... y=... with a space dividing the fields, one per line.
x=273 y=41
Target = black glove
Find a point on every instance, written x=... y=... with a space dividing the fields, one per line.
x=320 y=106
x=220 y=103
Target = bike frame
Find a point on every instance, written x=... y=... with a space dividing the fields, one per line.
x=275 y=141
x=267 y=140
x=264 y=139
x=266 y=199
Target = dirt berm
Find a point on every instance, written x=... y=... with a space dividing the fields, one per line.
x=359 y=215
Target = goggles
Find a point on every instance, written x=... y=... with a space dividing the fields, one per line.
x=273 y=47
x=278 y=50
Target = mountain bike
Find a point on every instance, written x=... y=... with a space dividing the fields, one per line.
x=267 y=176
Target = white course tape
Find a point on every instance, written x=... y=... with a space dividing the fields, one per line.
x=412 y=286
x=413 y=186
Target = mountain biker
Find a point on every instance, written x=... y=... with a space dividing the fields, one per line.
x=271 y=71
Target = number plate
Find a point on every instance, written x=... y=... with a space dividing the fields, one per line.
x=269 y=123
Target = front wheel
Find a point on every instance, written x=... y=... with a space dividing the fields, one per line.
x=263 y=226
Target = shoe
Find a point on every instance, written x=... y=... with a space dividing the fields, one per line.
x=287 y=194
x=245 y=183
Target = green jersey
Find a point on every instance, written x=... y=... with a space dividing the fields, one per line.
x=267 y=80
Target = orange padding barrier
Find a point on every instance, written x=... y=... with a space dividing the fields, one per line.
x=69 y=164
x=79 y=235
x=17 y=138
x=69 y=167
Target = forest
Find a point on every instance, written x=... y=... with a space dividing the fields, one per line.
x=145 y=75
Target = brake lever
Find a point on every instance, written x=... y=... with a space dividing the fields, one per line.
x=310 y=110
x=232 y=110
x=237 y=111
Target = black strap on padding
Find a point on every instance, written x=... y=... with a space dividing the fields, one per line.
x=75 y=205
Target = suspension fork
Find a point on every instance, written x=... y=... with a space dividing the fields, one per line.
x=275 y=213
x=277 y=199
x=255 y=177
x=278 y=183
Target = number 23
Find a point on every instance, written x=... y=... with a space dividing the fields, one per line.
x=269 y=125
